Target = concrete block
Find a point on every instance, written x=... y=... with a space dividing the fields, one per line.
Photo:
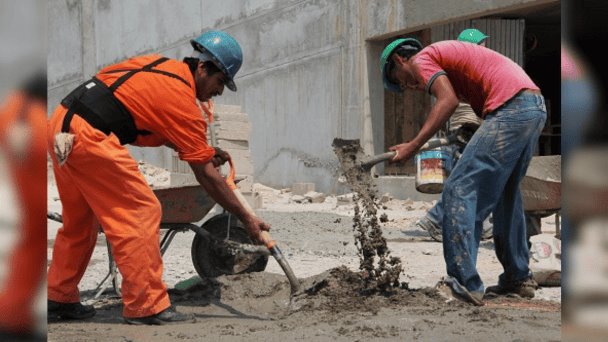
x=299 y=199
x=254 y=199
x=243 y=168
x=227 y=145
x=233 y=131
x=315 y=197
x=231 y=117
x=239 y=156
x=302 y=188
x=258 y=201
x=246 y=185
x=226 y=109
x=344 y=199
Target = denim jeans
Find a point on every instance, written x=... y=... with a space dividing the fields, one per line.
x=486 y=180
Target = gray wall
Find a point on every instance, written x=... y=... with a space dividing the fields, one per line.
x=305 y=76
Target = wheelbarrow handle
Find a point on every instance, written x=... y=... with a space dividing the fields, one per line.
x=231 y=176
x=54 y=216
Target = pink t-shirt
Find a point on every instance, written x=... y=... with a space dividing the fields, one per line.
x=570 y=66
x=481 y=77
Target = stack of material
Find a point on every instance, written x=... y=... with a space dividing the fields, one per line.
x=229 y=131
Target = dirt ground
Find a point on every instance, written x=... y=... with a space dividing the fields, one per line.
x=317 y=240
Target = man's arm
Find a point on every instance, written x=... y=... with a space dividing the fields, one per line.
x=220 y=158
x=216 y=187
x=445 y=104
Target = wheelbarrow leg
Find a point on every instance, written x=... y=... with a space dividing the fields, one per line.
x=112 y=274
x=166 y=241
x=101 y=286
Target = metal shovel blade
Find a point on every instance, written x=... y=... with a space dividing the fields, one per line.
x=237 y=257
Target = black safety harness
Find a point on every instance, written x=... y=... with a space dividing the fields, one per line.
x=96 y=104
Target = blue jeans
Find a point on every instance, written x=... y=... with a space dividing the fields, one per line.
x=486 y=180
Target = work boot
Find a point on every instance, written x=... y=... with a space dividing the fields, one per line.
x=433 y=229
x=167 y=316
x=57 y=310
x=524 y=289
x=21 y=336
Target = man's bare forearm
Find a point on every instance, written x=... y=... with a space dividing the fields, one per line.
x=216 y=187
x=440 y=113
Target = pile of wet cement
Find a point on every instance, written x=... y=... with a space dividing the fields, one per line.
x=334 y=291
x=382 y=274
x=342 y=290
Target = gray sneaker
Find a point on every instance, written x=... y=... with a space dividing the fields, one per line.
x=488 y=227
x=523 y=289
x=433 y=229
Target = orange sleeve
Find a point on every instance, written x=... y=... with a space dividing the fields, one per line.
x=182 y=123
x=166 y=107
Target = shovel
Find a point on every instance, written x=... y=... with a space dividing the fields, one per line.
x=461 y=137
x=265 y=237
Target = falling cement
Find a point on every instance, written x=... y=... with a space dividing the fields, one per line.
x=382 y=275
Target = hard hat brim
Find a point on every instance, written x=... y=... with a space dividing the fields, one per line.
x=391 y=86
x=388 y=85
x=230 y=85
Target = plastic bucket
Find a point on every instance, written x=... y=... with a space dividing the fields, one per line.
x=432 y=169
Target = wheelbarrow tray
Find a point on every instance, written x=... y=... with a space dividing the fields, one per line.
x=183 y=204
x=541 y=186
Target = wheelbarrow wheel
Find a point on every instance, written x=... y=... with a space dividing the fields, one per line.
x=209 y=264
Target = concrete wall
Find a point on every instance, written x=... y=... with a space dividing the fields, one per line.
x=85 y=36
x=310 y=72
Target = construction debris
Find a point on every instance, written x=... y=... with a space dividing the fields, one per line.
x=382 y=275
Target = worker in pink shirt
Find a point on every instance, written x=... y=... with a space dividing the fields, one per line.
x=486 y=178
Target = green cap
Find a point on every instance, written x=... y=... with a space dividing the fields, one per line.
x=472 y=36
x=386 y=54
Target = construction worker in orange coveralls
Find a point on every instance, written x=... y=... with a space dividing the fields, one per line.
x=144 y=101
x=22 y=141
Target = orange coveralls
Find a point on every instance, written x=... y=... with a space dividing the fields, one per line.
x=100 y=182
x=27 y=170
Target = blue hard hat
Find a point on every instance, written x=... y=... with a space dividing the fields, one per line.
x=225 y=52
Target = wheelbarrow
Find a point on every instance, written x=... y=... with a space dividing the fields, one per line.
x=541 y=192
x=182 y=207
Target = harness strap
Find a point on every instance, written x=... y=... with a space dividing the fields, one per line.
x=126 y=130
x=146 y=68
